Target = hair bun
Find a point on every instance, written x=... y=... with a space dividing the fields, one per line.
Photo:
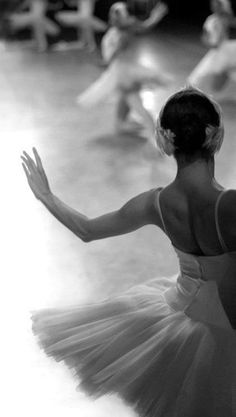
x=190 y=135
x=195 y=123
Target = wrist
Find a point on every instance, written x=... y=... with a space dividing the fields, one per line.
x=47 y=199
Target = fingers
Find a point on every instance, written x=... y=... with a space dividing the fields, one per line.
x=28 y=165
x=29 y=179
x=27 y=175
x=34 y=170
x=26 y=171
x=39 y=164
x=33 y=166
x=28 y=157
x=29 y=162
x=38 y=159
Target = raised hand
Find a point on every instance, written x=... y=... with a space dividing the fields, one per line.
x=157 y=14
x=160 y=10
x=36 y=175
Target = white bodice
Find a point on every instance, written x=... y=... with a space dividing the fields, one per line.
x=203 y=283
x=206 y=286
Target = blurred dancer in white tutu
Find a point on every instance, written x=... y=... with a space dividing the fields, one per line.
x=123 y=77
x=86 y=23
x=218 y=66
x=35 y=18
x=167 y=346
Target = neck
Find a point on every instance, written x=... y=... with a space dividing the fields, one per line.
x=199 y=172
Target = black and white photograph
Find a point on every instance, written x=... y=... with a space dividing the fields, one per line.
x=118 y=186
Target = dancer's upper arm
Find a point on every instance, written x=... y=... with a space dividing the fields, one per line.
x=136 y=213
x=157 y=14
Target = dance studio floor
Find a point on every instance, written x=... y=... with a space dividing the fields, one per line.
x=94 y=170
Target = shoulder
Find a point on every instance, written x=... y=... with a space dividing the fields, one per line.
x=151 y=199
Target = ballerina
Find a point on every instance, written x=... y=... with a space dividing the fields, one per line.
x=218 y=66
x=36 y=19
x=86 y=23
x=123 y=78
x=166 y=347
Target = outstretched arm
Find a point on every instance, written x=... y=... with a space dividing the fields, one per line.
x=137 y=212
x=157 y=14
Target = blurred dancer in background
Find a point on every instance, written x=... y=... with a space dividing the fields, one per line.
x=6 y=8
x=123 y=77
x=167 y=346
x=86 y=23
x=36 y=19
x=218 y=66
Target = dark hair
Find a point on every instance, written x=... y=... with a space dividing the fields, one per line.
x=187 y=114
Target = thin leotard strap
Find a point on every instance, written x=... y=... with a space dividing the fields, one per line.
x=220 y=237
x=159 y=210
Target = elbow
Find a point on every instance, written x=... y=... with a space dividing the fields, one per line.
x=86 y=238
x=86 y=235
x=83 y=231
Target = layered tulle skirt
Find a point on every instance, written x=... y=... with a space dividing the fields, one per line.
x=121 y=76
x=156 y=359
x=216 y=67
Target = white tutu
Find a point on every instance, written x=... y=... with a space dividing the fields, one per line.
x=217 y=61
x=166 y=347
x=121 y=76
